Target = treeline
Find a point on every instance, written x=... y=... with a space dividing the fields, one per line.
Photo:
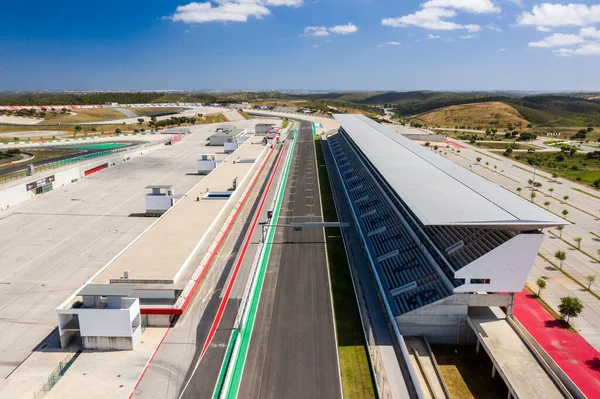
x=8 y=98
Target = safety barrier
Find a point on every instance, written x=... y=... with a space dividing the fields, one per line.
x=56 y=375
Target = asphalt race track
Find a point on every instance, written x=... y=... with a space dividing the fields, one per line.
x=293 y=350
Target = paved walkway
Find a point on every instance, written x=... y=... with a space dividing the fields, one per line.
x=570 y=351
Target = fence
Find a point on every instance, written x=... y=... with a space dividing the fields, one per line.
x=63 y=162
x=56 y=375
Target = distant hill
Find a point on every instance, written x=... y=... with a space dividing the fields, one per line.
x=478 y=115
x=556 y=111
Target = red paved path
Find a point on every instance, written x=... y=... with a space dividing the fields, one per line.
x=569 y=350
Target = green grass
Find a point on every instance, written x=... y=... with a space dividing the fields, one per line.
x=468 y=374
x=503 y=145
x=357 y=380
x=577 y=167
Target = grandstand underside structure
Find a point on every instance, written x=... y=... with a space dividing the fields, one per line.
x=440 y=239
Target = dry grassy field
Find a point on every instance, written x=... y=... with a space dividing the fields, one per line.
x=154 y=111
x=87 y=115
x=478 y=115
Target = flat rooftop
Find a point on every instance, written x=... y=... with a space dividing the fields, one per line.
x=521 y=371
x=438 y=191
x=163 y=251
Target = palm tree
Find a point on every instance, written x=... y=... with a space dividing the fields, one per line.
x=561 y=256
x=547 y=204
x=495 y=167
x=554 y=176
x=566 y=198
x=519 y=189
x=541 y=283
x=565 y=213
x=578 y=241
x=551 y=191
x=590 y=279
x=487 y=164
x=533 y=196
x=598 y=251
x=478 y=159
x=560 y=229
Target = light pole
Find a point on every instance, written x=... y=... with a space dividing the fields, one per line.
x=533 y=184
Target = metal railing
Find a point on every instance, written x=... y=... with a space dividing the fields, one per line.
x=82 y=158
x=56 y=375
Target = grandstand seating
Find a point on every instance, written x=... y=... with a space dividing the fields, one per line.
x=415 y=263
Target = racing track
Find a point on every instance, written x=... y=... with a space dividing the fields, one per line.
x=293 y=350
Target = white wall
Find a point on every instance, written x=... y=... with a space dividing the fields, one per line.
x=104 y=322
x=507 y=266
x=159 y=203
x=16 y=192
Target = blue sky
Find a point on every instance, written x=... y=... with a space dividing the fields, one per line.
x=300 y=44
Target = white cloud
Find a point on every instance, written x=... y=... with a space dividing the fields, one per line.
x=502 y=50
x=471 y=6
x=315 y=46
x=548 y=15
x=325 y=31
x=469 y=37
x=316 y=31
x=493 y=27
x=344 y=29
x=430 y=36
x=590 y=32
x=389 y=44
x=585 y=49
x=430 y=18
x=558 y=40
x=228 y=10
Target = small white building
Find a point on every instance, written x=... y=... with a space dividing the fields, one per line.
x=222 y=135
x=161 y=199
x=206 y=164
x=105 y=318
x=230 y=145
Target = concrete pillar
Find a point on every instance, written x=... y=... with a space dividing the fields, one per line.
x=493 y=371
x=511 y=306
x=478 y=346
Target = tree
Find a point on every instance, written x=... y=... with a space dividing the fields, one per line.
x=566 y=198
x=551 y=191
x=578 y=241
x=487 y=164
x=140 y=120
x=590 y=279
x=478 y=159
x=547 y=204
x=565 y=213
x=570 y=307
x=560 y=256
x=554 y=175
x=427 y=144
x=519 y=189
x=117 y=130
x=598 y=251
x=77 y=128
x=533 y=196
x=541 y=284
x=560 y=229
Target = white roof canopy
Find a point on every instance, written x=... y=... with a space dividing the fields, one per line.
x=438 y=191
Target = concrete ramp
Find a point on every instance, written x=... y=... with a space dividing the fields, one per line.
x=423 y=362
x=520 y=370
